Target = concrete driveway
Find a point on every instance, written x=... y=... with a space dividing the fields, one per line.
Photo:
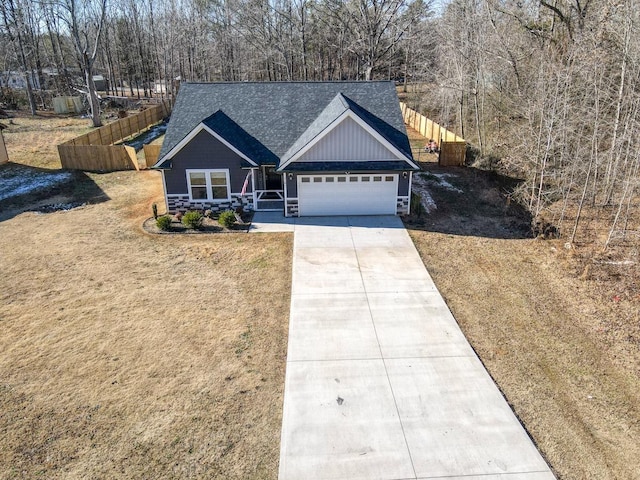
x=380 y=381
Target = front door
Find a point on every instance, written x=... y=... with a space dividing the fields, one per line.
x=272 y=179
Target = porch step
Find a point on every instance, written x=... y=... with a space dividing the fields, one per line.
x=270 y=205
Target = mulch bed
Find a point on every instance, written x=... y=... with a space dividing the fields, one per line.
x=209 y=225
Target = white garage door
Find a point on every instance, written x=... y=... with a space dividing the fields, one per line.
x=374 y=194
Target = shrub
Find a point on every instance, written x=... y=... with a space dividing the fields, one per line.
x=227 y=218
x=164 y=222
x=417 y=208
x=192 y=219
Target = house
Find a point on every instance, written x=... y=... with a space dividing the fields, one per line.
x=101 y=83
x=304 y=148
x=18 y=80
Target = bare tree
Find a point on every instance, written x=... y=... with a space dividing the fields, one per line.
x=15 y=26
x=85 y=22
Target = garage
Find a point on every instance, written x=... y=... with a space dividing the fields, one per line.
x=362 y=194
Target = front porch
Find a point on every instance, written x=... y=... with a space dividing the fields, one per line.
x=269 y=200
x=271 y=197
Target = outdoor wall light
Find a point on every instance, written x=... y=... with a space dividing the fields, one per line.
x=404 y=174
x=291 y=176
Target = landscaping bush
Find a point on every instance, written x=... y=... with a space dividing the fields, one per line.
x=192 y=219
x=164 y=222
x=417 y=209
x=227 y=218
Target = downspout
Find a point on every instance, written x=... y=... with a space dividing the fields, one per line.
x=409 y=192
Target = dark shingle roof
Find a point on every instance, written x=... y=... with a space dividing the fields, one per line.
x=336 y=107
x=233 y=133
x=273 y=118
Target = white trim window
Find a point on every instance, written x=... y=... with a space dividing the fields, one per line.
x=208 y=185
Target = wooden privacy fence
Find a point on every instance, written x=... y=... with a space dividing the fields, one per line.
x=101 y=158
x=151 y=154
x=95 y=151
x=452 y=147
x=4 y=157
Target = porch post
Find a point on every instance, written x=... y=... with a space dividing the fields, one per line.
x=254 y=172
x=284 y=184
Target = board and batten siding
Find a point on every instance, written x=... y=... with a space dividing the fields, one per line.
x=348 y=141
x=204 y=152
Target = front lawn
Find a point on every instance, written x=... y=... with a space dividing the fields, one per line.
x=130 y=355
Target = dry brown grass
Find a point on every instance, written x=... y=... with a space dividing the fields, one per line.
x=33 y=140
x=564 y=352
x=128 y=355
x=417 y=143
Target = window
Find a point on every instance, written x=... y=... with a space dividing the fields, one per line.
x=353 y=179
x=305 y=179
x=377 y=179
x=365 y=179
x=219 y=185
x=388 y=179
x=329 y=179
x=342 y=179
x=317 y=179
x=198 y=185
x=208 y=185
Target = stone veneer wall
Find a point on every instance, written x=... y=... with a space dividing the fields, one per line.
x=292 y=207
x=181 y=203
x=402 y=206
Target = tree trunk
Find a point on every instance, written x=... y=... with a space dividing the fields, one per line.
x=94 y=103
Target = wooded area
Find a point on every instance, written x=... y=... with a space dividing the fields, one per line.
x=544 y=91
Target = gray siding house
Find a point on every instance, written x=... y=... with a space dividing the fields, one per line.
x=304 y=148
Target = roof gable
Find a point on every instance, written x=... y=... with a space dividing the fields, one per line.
x=226 y=131
x=340 y=126
x=346 y=141
x=331 y=113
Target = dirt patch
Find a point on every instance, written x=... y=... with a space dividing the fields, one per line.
x=128 y=355
x=560 y=339
x=468 y=201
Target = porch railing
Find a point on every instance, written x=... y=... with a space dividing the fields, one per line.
x=269 y=195
x=269 y=200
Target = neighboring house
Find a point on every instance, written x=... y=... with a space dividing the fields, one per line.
x=101 y=83
x=18 y=80
x=305 y=148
